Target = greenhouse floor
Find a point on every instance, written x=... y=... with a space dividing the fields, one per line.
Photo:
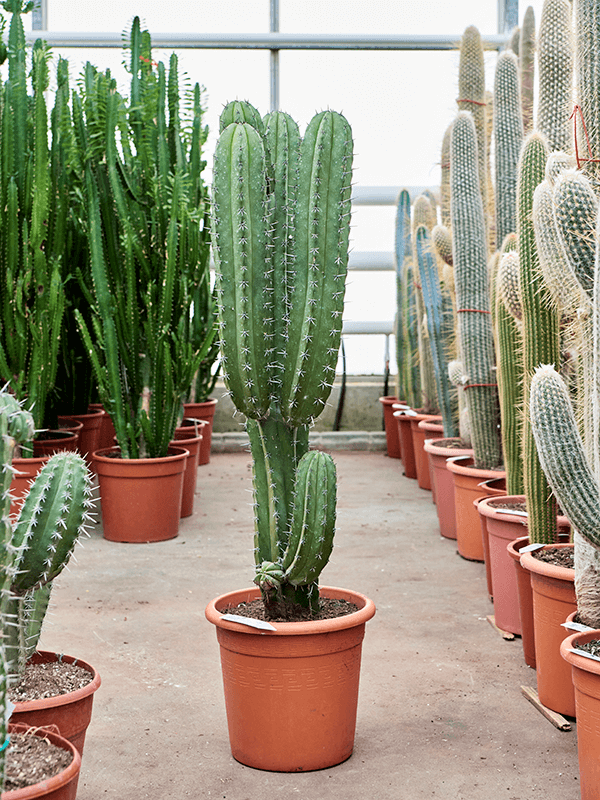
x=441 y=714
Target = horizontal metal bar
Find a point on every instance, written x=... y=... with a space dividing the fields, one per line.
x=386 y=195
x=385 y=327
x=266 y=41
x=371 y=261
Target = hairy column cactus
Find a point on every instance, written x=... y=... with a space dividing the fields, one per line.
x=445 y=179
x=508 y=135
x=527 y=67
x=280 y=371
x=406 y=336
x=423 y=214
x=587 y=46
x=541 y=340
x=555 y=60
x=472 y=295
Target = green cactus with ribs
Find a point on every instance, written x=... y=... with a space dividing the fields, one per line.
x=36 y=547
x=281 y=215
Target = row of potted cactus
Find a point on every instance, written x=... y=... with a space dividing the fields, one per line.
x=525 y=315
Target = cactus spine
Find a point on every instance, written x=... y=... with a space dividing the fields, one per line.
x=423 y=214
x=587 y=33
x=527 y=67
x=472 y=294
x=555 y=58
x=281 y=218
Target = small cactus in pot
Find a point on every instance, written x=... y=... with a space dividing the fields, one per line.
x=281 y=216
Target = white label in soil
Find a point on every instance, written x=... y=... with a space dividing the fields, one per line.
x=251 y=623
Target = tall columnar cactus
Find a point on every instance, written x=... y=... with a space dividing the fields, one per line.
x=472 y=295
x=508 y=136
x=445 y=178
x=471 y=98
x=37 y=547
x=440 y=326
x=405 y=347
x=541 y=339
x=527 y=67
x=423 y=214
x=279 y=362
x=509 y=359
x=555 y=60
x=587 y=46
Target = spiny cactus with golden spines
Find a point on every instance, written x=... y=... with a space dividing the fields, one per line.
x=576 y=208
x=558 y=162
x=442 y=241
x=445 y=178
x=407 y=346
x=472 y=294
x=509 y=360
x=471 y=97
x=587 y=47
x=527 y=67
x=508 y=136
x=555 y=64
x=541 y=338
x=490 y=207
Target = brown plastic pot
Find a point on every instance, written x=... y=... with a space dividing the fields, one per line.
x=419 y=435
x=438 y=452
x=189 y=435
x=486 y=547
x=553 y=590
x=291 y=694
x=406 y=442
x=467 y=478
x=50 y=442
x=71 y=712
x=26 y=471
x=107 y=428
x=390 y=426
x=585 y=674
x=140 y=498
x=89 y=436
x=204 y=411
x=495 y=487
x=59 y=787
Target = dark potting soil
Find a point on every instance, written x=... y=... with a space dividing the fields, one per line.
x=49 y=680
x=329 y=609
x=31 y=759
x=559 y=556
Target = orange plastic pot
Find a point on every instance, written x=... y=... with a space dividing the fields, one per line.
x=189 y=435
x=71 y=712
x=433 y=430
x=438 y=452
x=553 y=590
x=419 y=435
x=140 y=498
x=586 y=682
x=291 y=694
x=50 y=442
x=495 y=487
x=89 y=436
x=60 y=787
x=107 y=429
x=26 y=471
x=406 y=442
x=206 y=412
x=390 y=426
x=466 y=479
x=486 y=547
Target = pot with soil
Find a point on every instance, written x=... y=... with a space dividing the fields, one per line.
x=304 y=716
x=390 y=426
x=89 y=436
x=553 y=589
x=419 y=435
x=189 y=435
x=402 y=415
x=438 y=452
x=49 y=442
x=433 y=430
x=204 y=411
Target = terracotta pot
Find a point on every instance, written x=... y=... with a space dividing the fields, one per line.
x=495 y=487
x=140 y=498
x=50 y=442
x=406 y=442
x=438 y=452
x=586 y=682
x=107 y=429
x=71 y=712
x=486 y=547
x=421 y=461
x=89 y=436
x=291 y=694
x=184 y=437
x=553 y=590
x=60 y=787
x=390 y=426
x=204 y=411
x=433 y=430
x=466 y=489
x=502 y=529
x=27 y=469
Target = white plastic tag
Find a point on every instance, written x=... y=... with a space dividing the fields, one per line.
x=576 y=626
x=251 y=623
x=583 y=653
x=531 y=547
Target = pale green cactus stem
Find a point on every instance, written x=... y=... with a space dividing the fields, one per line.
x=573 y=482
x=558 y=162
x=541 y=339
x=575 y=208
x=439 y=329
x=445 y=179
x=509 y=360
x=527 y=67
x=555 y=62
x=442 y=241
x=587 y=47
x=508 y=135
x=403 y=254
x=476 y=339
x=514 y=41
x=423 y=214
x=471 y=97
x=281 y=217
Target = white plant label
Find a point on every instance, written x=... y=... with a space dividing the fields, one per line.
x=584 y=654
x=531 y=547
x=251 y=623
x=576 y=626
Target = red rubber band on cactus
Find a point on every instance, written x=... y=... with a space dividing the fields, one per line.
x=579 y=160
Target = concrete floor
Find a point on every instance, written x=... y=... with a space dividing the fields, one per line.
x=440 y=714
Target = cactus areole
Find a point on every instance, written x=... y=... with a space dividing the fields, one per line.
x=281 y=221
